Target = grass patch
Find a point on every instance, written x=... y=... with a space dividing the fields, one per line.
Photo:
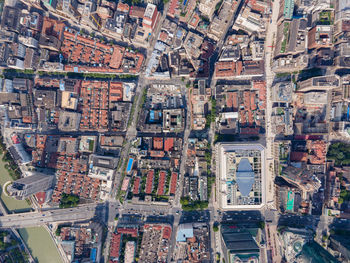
x=325 y=18
x=280 y=111
x=91 y=145
x=282 y=75
x=285 y=37
x=283 y=46
x=212 y=114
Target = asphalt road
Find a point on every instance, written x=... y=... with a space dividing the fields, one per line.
x=89 y=211
x=269 y=76
x=22 y=220
x=273 y=243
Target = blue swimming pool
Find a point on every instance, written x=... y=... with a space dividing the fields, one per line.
x=130 y=162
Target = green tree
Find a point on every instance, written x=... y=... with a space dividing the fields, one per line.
x=216 y=227
x=69 y=200
x=340 y=153
x=58 y=230
x=184 y=201
x=261 y=224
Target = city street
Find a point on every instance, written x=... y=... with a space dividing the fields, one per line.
x=21 y=220
x=273 y=246
x=189 y=41
x=269 y=75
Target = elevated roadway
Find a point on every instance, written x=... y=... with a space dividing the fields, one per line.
x=30 y=219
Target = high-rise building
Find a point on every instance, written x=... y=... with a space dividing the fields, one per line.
x=240 y=244
x=150 y=16
x=27 y=186
x=288 y=9
x=207 y=7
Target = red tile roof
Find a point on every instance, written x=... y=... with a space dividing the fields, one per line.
x=250 y=131
x=252 y=101
x=167 y=232
x=163 y=36
x=125 y=183
x=85 y=54
x=176 y=162
x=168 y=144
x=172 y=7
x=72 y=178
x=137 y=11
x=157 y=143
x=228 y=68
x=95 y=106
x=52 y=27
x=319 y=150
x=115 y=91
x=115 y=245
x=128 y=231
x=161 y=183
x=298 y=156
x=123 y=7
x=173 y=183
x=136 y=188
x=15 y=139
x=117 y=57
x=149 y=182
x=158 y=154
x=41 y=196
x=194 y=20
x=261 y=86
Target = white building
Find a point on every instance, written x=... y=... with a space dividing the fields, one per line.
x=241 y=180
x=102 y=168
x=207 y=7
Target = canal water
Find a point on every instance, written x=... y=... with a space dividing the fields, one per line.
x=40 y=244
x=37 y=239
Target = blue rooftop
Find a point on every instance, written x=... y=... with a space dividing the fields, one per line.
x=179 y=33
x=151 y=115
x=62 y=85
x=93 y=254
x=184 y=231
x=245 y=177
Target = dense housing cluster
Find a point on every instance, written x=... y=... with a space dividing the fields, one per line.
x=189 y=131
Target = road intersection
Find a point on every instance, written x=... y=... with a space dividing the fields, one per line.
x=113 y=207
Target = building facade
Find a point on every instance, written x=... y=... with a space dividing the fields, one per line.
x=27 y=186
